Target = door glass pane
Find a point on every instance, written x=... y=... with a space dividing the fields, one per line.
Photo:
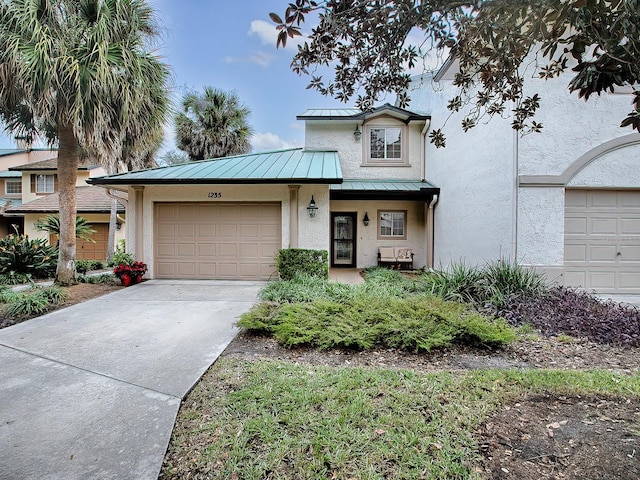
x=343 y=233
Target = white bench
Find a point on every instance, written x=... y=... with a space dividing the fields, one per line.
x=395 y=257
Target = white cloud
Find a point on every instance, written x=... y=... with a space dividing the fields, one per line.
x=269 y=35
x=259 y=58
x=264 y=142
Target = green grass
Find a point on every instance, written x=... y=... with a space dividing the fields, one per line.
x=278 y=420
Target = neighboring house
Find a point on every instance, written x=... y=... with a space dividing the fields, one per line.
x=11 y=182
x=39 y=198
x=566 y=201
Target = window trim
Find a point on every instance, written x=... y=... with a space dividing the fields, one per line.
x=7 y=181
x=45 y=176
x=403 y=161
x=392 y=237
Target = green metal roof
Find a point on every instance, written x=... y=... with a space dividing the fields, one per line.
x=282 y=166
x=355 y=114
x=378 y=189
x=10 y=174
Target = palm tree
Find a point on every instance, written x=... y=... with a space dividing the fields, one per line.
x=213 y=124
x=87 y=68
x=51 y=224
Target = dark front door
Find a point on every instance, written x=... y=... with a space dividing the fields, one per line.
x=343 y=239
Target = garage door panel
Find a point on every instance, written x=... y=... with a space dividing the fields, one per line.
x=630 y=226
x=206 y=269
x=207 y=250
x=604 y=226
x=222 y=240
x=186 y=250
x=575 y=226
x=630 y=253
x=605 y=256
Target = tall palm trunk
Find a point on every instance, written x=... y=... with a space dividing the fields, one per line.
x=68 y=160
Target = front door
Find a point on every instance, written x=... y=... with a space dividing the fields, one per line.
x=343 y=239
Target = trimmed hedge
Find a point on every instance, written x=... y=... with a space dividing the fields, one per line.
x=294 y=261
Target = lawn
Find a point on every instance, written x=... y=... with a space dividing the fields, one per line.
x=373 y=382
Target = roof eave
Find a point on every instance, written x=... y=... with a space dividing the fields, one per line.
x=218 y=181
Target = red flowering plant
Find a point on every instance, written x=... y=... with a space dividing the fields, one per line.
x=130 y=274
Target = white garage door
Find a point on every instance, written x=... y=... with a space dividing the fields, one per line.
x=602 y=240
x=216 y=240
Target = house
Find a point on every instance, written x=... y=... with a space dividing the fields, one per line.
x=566 y=201
x=37 y=183
x=11 y=181
x=358 y=184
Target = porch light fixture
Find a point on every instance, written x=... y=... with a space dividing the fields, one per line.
x=357 y=133
x=312 y=209
x=365 y=220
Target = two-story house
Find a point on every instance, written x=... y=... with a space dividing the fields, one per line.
x=358 y=184
x=11 y=182
x=37 y=183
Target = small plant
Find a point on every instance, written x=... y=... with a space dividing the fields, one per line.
x=22 y=258
x=84 y=266
x=130 y=274
x=295 y=261
x=6 y=294
x=104 y=278
x=120 y=255
x=51 y=224
x=33 y=302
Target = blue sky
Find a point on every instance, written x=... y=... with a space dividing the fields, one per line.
x=231 y=45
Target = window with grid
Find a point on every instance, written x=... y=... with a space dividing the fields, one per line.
x=392 y=224
x=385 y=144
x=13 y=187
x=45 y=183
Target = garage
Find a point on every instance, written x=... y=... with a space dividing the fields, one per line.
x=602 y=240
x=227 y=241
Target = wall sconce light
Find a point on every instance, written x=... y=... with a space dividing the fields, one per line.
x=365 y=220
x=312 y=209
x=357 y=133
x=118 y=225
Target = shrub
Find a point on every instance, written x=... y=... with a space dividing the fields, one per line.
x=6 y=294
x=495 y=284
x=105 y=278
x=33 y=302
x=21 y=257
x=565 y=311
x=120 y=256
x=417 y=324
x=293 y=261
x=83 y=266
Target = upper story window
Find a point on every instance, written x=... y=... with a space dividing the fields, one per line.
x=386 y=145
x=43 y=183
x=13 y=187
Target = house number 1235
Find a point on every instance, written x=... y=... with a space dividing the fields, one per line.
x=215 y=195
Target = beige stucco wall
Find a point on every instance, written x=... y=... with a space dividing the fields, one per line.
x=313 y=232
x=81 y=181
x=338 y=135
x=367 y=242
x=32 y=232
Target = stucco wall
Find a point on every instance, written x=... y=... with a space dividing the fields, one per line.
x=338 y=135
x=367 y=242
x=27 y=196
x=572 y=126
x=313 y=232
x=32 y=232
x=619 y=168
x=475 y=173
x=541 y=226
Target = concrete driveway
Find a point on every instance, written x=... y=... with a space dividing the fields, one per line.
x=92 y=391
